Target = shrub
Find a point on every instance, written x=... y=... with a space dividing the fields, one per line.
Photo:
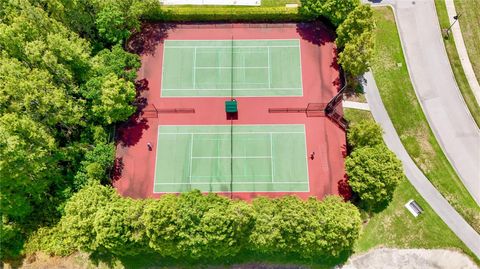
x=365 y=133
x=200 y=227
x=374 y=173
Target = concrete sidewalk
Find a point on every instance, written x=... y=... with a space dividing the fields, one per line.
x=438 y=203
x=462 y=51
x=436 y=89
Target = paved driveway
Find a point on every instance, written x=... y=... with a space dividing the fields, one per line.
x=436 y=89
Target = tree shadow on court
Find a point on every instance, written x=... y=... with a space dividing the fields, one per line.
x=117 y=169
x=146 y=40
x=316 y=32
x=344 y=188
x=130 y=132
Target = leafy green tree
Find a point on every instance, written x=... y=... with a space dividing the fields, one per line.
x=112 y=24
x=339 y=225
x=11 y=239
x=335 y=10
x=365 y=133
x=96 y=165
x=27 y=165
x=78 y=223
x=159 y=217
x=111 y=98
x=374 y=173
x=33 y=92
x=41 y=42
x=118 y=228
x=117 y=61
x=358 y=21
x=307 y=229
x=355 y=57
x=278 y=225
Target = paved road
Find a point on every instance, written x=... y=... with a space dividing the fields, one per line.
x=462 y=50
x=436 y=89
x=446 y=212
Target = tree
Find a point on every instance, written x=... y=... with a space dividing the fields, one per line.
x=358 y=21
x=117 y=61
x=279 y=224
x=77 y=226
x=374 y=173
x=335 y=10
x=111 y=98
x=33 y=92
x=339 y=225
x=96 y=165
x=118 y=228
x=27 y=165
x=112 y=24
x=365 y=133
x=355 y=57
x=308 y=229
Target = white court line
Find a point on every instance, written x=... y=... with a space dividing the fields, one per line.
x=235 y=157
x=228 y=182
x=227 y=47
x=256 y=89
x=271 y=155
x=191 y=159
x=229 y=67
x=194 y=65
x=269 y=79
x=185 y=133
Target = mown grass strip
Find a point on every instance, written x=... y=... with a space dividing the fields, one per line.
x=395 y=227
x=457 y=68
x=469 y=20
x=399 y=98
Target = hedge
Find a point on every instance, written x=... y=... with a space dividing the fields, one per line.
x=228 y=14
x=200 y=227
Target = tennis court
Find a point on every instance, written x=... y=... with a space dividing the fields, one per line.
x=231 y=158
x=218 y=68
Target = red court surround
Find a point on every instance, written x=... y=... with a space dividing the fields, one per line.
x=135 y=177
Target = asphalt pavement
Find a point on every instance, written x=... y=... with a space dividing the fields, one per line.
x=431 y=195
x=436 y=89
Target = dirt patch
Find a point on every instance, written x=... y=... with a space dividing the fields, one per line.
x=410 y=258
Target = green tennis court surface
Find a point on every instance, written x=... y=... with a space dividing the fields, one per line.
x=250 y=158
x=214 y=67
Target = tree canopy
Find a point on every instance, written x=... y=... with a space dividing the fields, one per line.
x=365 y=133
x=64 y=84
x=201 y=227
x=374 y=173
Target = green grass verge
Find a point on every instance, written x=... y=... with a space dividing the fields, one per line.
x=407 y=116
x=470 y=22
x=457 y=68
x=395 y=227
x=279 y=3
x=229 y=13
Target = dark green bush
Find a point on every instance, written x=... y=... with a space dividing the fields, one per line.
x=228 y=14
x=197 y=227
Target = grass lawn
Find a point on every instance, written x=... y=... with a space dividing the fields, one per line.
x=396 y=227
x=278 y=3
x=407 y=116
x=470 y=21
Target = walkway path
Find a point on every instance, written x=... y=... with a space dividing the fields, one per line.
x=439 y=204
x=462 y=51
x=436 y=89
x=355 y=105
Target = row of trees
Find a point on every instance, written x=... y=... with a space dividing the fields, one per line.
x=373 y=170
x=197 y=226
x=65 y=80
x=355 y=26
